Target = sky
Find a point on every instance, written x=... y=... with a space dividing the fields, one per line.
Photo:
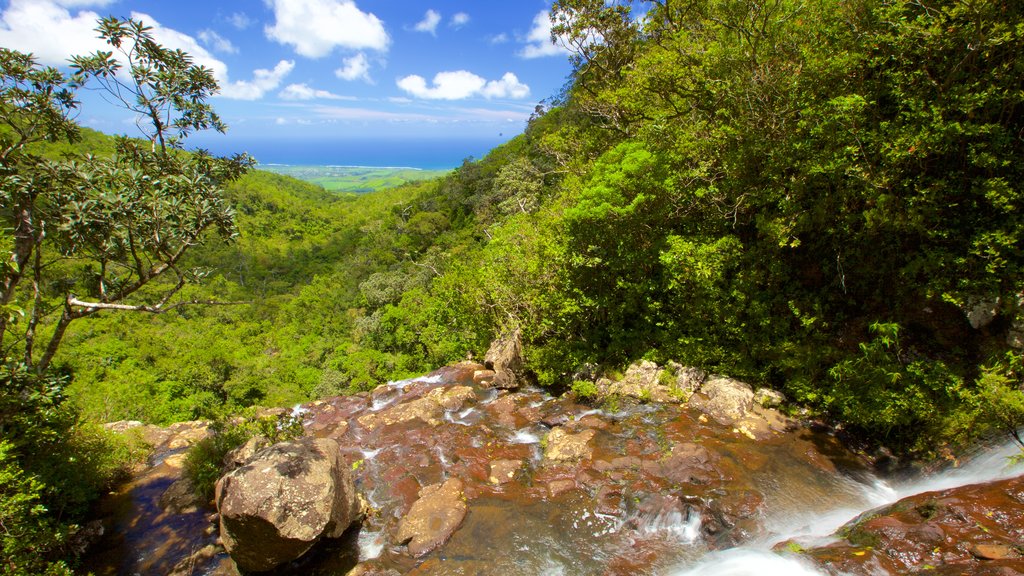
x=297 y=73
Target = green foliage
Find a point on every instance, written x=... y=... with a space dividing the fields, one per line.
x=883 y=390
x=584 y=389
x=29 y=537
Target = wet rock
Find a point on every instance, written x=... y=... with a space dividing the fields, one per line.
x=433 y=518
x=286 y=498
x=556 y=487
x=687 y=463
x=972 y=529
x=553 y=420
x=564 y=446
x=369 y=569
x=725 y=400
x=504 y=471
x=429 y=409
x=994 y=551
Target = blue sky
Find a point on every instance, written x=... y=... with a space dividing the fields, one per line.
x=329 y=70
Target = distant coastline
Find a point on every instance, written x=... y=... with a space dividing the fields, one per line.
x=354 y=166
x=419 y=154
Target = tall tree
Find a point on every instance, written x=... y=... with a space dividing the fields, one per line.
x=86 y=234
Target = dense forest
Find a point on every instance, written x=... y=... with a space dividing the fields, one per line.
x=822 y=198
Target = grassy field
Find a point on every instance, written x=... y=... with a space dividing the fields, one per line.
x=355 y=179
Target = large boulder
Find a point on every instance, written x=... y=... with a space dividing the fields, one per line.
x=505 y=358
x=434 y=517
x=286 y=498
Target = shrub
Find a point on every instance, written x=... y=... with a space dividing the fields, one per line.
x=584 y=389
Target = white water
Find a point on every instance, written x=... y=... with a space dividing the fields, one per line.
x=757 y=559
x=524 y=436
x=402 y=384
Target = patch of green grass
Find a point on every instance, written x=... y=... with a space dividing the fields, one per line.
x=355 y=179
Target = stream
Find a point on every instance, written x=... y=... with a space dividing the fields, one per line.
x=663 y=490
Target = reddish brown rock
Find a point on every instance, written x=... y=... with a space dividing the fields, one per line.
x=975 y=529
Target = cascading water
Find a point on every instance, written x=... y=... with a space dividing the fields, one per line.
x=756 y=558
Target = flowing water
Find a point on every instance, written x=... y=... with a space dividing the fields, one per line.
x=664 y=492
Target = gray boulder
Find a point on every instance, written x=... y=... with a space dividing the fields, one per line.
x=283 y=500
x=505 y=358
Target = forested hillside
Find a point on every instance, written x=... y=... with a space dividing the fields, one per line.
x=822 y=198
x=825 y=200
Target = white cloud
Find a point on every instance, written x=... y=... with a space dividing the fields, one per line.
x=216 y=41
x=316 y=27
x=498 y=38
x=240 y=20
x=354 y=68
x=538 y=40
x=459 y=20
x=48 y=30
x=461 y=84
x=306 y=92
x=429 y=23
x=83 y=3
x=508 y=87
x=263 y=81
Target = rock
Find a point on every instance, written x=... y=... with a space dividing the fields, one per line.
x=180 y=497
x=241 y=455
x=483 y=377
x=725 y=400
x=452 y=398
x=769 y=398
x=553 y=420
x=504 y=471
x=433 y=518
x=506 y=356
x=688 y=379
x=286 y=498
x=505 y=380
x=563 y=446
x=643 y=381
x=430 y=409
x=556 y=487
x=994 y=551
x=185 y=434
x=122 y=426
x=981 y=312
x=973 y=529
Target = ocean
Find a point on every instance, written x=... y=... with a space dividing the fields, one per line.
x=433 y=154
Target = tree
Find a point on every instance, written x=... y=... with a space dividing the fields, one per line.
x=87 y=234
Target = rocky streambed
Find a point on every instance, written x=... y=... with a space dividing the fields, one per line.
x=677 y=475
